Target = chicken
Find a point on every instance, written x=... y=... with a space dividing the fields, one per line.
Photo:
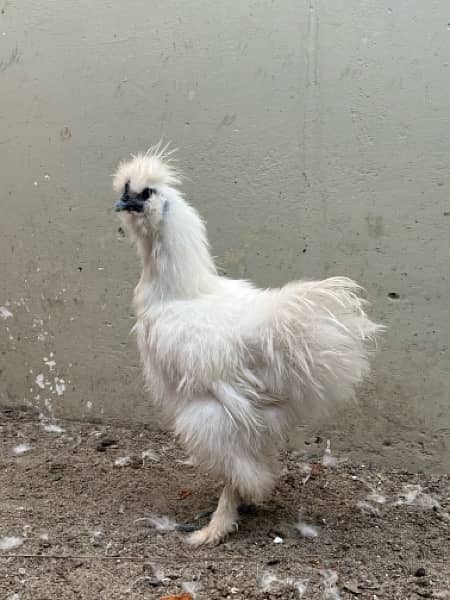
x=232 y=368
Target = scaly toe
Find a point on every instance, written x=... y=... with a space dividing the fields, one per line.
x=207 y=535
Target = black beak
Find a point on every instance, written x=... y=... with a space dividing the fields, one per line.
x=130 y=202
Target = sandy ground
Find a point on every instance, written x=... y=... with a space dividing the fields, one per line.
x=79 y=507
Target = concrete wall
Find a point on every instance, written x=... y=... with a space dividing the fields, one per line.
x=316 y=138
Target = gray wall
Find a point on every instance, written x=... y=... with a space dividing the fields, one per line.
x=316 y=139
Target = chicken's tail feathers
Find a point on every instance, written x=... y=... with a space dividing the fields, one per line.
x=319 y=341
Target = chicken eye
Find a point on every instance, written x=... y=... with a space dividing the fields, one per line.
x=146 y=193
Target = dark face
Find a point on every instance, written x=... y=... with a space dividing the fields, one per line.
x=132 y=201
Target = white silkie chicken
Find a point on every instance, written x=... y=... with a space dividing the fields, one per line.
x=232 y=368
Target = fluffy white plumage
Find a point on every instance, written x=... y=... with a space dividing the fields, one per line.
x=232 y=367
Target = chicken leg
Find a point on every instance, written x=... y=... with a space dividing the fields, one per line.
x=223 y=520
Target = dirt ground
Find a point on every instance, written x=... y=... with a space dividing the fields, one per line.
x=79 y=508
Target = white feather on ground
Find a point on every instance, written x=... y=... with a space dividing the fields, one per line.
x=149 y=455
x=8 y=543
x=331 y=591
x=191 y=587
x=368 y=508
x=307 y=531
x=122 y=461
x=5 y=313
x=22 y=449
x=231 y=366
x=160 y=523
x=269 y=582
x=413 y=495
x=329 y=460
x=52 y=428
x=376 y=496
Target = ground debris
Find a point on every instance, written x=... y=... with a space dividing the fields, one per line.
x=353 y=587
x=316 y=470
x=184 y=493
x=113 y=533
x=106 y=443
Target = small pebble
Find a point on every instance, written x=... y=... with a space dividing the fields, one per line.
x=420 y=572
x=273 y=561
x=278 y=540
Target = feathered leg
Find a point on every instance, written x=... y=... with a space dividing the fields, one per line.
x=223 y=521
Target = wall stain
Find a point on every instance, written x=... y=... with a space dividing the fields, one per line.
x=65 y=134
x=375 y=225
x=228 y=120
x=14 y=59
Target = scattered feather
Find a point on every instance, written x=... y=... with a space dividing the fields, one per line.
x=162 y=523
x=191 y=587
x=189 y=462
x=307 y=531
x=376 y=497
x=331 y=591
x=150 y=455
x=96 y=537
x=159 y=574
x=374 y=494
x=60 y=386
x=413 y=495
x=305 y=470
x=40 y=381
x=8 y=543
x=328 y=460
x=52 y=428
x=269 y=582
x=122 y=461
x=21 y=449
x=50 y=363
x=300 y=585
x=5 y=313
x=368 y=508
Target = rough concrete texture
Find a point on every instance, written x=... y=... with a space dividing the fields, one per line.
x=315 y=137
